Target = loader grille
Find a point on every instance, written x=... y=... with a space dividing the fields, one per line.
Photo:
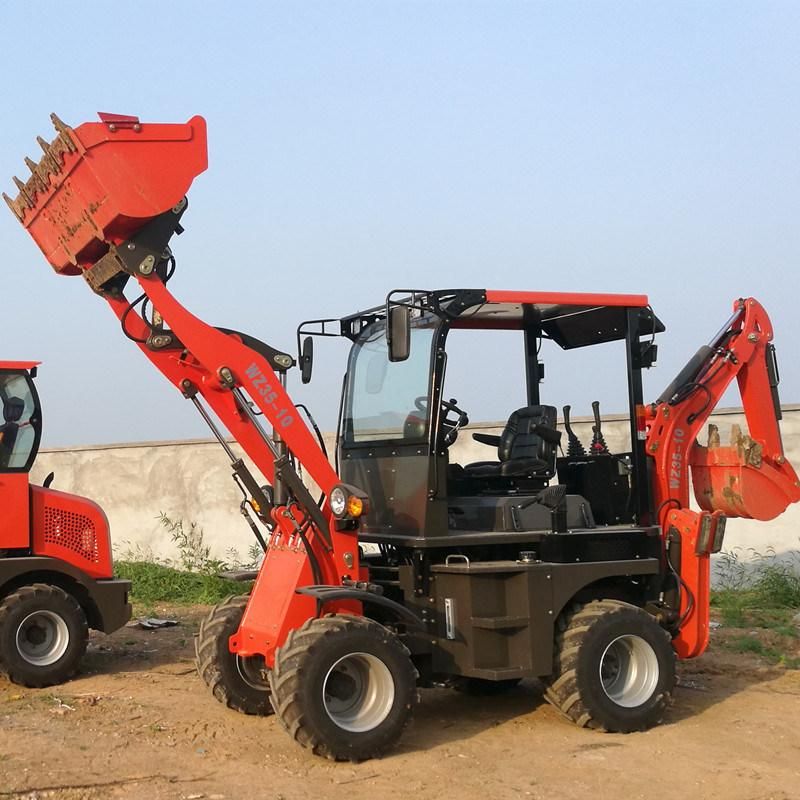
x=75 y=532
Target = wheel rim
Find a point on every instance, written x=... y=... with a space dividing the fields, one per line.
x=42 y=638
x=251 y=671
x=629 y=671
x=358 y=692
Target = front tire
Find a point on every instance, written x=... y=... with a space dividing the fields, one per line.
x=238 y=683
x=43 y=635
x=344 y=687
x=614 y=668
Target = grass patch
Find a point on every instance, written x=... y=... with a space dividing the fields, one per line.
x=747 y=644
x=157 y=583
x=753 y=645
x=761 y=594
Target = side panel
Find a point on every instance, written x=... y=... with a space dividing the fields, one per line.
x=73 y=529
x=15 y=523
x=496 y=620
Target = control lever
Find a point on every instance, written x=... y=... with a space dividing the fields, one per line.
x=598 y=446
x=575 y=446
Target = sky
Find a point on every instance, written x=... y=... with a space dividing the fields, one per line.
x=355 y=147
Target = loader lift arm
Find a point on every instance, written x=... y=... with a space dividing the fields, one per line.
x=103 y=203
x=748 y=478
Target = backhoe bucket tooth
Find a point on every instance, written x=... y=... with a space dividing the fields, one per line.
x=98 y=184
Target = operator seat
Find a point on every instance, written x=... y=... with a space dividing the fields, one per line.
x=13 y=409
x=521 y=449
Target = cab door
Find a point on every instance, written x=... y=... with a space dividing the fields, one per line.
x=20 y=433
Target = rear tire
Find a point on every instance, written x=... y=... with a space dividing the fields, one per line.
x=43 y=635
x=344 y=687
x=614 y=668
x=238 y=683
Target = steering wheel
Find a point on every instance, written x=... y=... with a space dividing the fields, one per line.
x=450 y=425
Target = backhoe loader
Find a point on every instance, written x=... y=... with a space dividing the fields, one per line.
x=589 y=571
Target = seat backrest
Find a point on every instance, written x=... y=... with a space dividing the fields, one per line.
x=518 y=439
x=13 y=408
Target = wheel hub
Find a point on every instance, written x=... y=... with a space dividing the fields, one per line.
x=42 y=638
x=251 y=671
x=358 y=692
x=629 y=671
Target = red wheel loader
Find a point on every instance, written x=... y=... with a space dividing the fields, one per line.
x=56 y=575
x=588 y=570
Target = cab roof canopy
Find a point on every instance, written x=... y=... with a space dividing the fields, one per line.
x=571 y=319
x=18 y=365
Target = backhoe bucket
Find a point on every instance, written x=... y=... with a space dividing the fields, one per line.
x=737 y=480
x=101 y=182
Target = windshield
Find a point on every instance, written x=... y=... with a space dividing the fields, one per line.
x=388 y=399
x=19 y=426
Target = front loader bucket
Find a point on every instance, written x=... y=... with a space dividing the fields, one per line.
x=99 y=183
x=738 y=481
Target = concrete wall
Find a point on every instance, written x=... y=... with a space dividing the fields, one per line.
x=190 y=480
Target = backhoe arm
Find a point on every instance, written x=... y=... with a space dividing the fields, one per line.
x=748 y=478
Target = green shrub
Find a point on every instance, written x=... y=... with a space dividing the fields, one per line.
x=190 y=578
x=157 y=583
x=765 y=581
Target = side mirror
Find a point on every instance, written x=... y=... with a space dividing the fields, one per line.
x=307 y=359
x=398 y=333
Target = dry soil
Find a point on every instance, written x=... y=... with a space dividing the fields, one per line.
x=139 y=723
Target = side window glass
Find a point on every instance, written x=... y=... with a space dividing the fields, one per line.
x=18 y=427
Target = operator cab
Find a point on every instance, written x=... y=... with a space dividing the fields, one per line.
x=397 y=427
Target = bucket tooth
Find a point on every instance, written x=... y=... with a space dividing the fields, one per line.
x=713 y=436
x=13 y=206
x=64 y=132
x=48 y=159
x=23 y=192
x=38 y=174
x=55 y=151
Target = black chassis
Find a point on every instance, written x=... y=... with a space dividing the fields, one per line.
x=487 y=600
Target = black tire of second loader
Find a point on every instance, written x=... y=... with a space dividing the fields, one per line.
x=43 y=635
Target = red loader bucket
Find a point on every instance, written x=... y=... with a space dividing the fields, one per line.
x=102 y=181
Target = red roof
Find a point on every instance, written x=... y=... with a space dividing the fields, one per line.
x=19 y=364
x=567 y=298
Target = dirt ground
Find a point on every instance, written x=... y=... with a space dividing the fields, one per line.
x=139 y=723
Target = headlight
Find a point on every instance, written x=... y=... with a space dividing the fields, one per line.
x=338 y=501
x=347 y=502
